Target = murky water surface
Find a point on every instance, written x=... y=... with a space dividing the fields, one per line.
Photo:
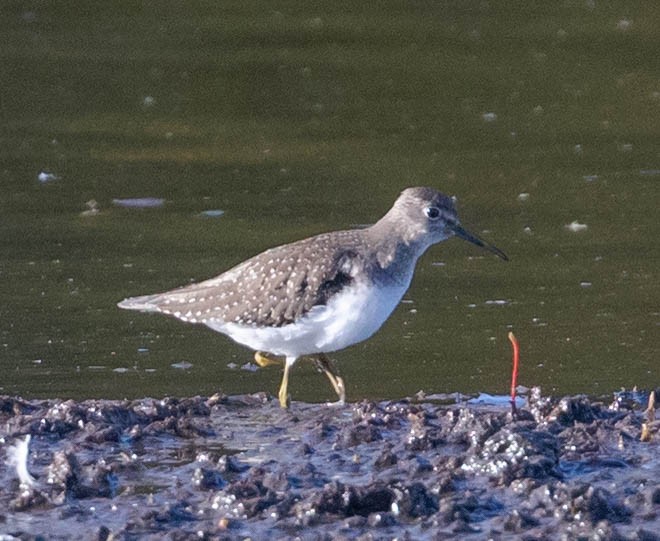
x=143 y=146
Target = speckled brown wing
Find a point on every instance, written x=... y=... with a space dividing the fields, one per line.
x=273 y=288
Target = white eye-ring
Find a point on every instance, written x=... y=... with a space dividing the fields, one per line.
x=432 y=213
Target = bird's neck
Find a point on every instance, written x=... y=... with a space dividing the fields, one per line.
x=396 y=252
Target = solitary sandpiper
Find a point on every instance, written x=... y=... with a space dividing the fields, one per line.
x=320 y=294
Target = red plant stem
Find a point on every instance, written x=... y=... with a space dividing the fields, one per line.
x=514 y=372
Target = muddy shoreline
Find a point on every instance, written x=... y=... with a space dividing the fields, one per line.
x=240 y=467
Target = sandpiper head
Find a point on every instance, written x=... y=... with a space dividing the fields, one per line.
x=431 y=217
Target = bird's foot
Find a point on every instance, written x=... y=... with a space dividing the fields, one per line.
x=283 y=395
x=284 y=401
x=325 y=365
x=264 y=359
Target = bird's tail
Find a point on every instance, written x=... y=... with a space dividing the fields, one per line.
x=145 y=303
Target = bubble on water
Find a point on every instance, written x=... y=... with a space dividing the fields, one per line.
x=139 y=202
x=213 y=213
x=182 y=365
x=624 y=24
x=46 y=176
x=576 y=227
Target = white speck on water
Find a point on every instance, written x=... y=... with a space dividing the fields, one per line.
x=120 y=370
x=46 y=176
x=315 y=23
x=182 y=365
x=522 y=197
x=576 y=227
x=538 y=322
x=249 y=367
x=497 y=302
x=489 y=117
x=585 y=284
x=213 y=213
x=148 y=101
x=624 y=24
x=625 y=147
x=538 y=110
x=649 y=172
x=527 y=230
x=92 y=208
x=590 y=178
x=577 y=149
x=139 y=202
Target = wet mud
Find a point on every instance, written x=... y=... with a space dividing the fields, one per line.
x=240 y=467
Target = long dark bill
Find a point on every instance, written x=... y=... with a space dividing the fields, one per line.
x=466 y=235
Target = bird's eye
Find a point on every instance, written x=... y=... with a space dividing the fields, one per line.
x=432 y=213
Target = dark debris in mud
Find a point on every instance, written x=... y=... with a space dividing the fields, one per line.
x=239 y=467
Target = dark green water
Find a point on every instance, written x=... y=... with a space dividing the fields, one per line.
x=297 y=118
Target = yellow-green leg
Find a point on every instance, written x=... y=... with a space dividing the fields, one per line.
x=323 y=363
x=265 y=359
x=283 y=395
x=326 y=365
